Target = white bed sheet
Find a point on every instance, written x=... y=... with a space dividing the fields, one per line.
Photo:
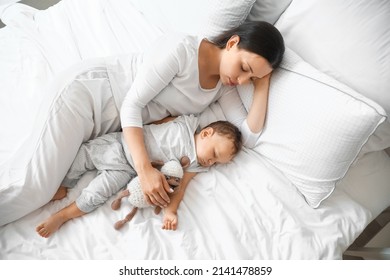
x=253 y=213
x=245 y=210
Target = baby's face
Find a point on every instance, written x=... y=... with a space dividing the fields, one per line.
x=213 y=148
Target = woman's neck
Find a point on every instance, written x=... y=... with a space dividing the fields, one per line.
x=208 y=64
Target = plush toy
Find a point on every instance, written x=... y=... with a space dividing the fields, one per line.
x=173 y=171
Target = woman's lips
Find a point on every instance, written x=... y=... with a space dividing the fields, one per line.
x=230 y=83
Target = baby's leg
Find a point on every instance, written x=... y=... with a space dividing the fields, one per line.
x=83 y=162
x=114 y=172
x=54 y=222
x=97 y=192
x=101 y=188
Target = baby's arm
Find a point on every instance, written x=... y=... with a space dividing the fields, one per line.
x=170 y=220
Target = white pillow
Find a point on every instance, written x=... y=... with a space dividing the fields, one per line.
x=268 y=10
x=348 y=40
x=173 y=15
x=315 y=126
x=201 y=17
x=378 y=141
x=223 y=15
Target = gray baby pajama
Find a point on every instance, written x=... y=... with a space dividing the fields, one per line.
x=106 y=155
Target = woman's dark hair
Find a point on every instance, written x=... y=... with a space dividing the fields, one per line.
x=258 y=37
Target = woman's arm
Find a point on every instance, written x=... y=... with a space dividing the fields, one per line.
x=258 y=109
x=151 y=179
x=249 y=122
x=170 y=212
x=156 y=72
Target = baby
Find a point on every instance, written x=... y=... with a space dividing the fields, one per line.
x=180 y=138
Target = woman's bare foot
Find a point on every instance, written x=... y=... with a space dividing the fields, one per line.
x=60 y=194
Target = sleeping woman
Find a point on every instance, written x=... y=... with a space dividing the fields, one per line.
x=185 y=74
x=182 y=74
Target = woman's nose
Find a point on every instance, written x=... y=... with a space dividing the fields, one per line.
x=243 y=79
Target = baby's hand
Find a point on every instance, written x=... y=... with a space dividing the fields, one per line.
x=170 y=220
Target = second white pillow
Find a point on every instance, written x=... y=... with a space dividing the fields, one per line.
x=315 y=127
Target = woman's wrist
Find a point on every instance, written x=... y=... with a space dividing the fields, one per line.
x=143 y=167
x=261 y=86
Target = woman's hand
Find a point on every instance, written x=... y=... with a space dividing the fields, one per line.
x=155 y=187
x=257 y=112
x=262 y=85
x=153 y=182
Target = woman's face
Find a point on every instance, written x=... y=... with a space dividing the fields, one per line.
x=239 y=66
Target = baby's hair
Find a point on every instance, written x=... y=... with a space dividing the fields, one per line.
x=230 y=131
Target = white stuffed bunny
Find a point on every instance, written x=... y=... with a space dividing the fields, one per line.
x=173 y=172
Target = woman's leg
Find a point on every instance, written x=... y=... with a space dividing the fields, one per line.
x=60 y=194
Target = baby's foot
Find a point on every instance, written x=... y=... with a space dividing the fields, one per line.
x=51 y=225
x=60 y=194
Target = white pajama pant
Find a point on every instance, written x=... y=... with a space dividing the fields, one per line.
x=106 y=155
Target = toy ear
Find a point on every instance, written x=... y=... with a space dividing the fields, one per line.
x=185 y=162
x=157 y=164
x=157 y=210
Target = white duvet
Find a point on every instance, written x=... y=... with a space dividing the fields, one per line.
x=243 y=210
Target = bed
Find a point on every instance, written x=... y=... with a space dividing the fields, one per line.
x=318 y=176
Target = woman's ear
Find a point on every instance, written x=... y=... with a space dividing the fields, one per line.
x=234 y=40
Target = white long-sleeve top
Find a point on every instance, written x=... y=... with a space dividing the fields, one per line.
x=165 y=81
x=171 y=141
